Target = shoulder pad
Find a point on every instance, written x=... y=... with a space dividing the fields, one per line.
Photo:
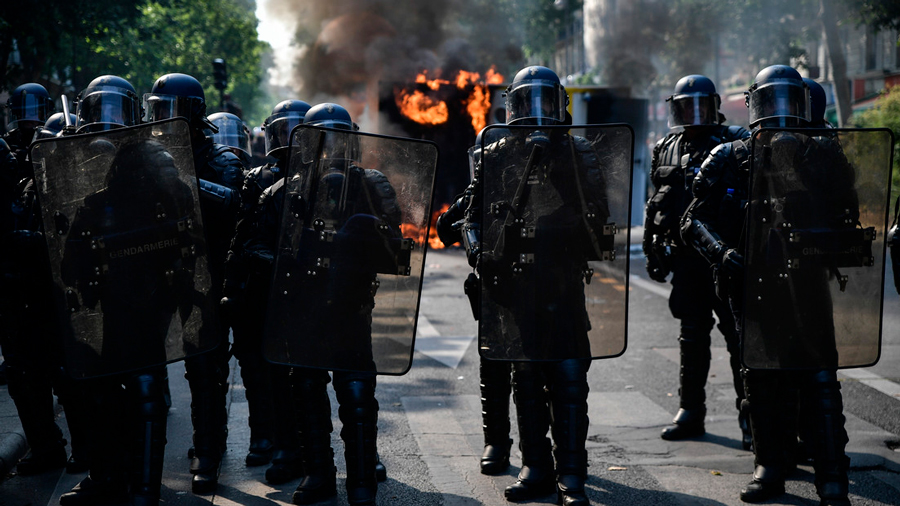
x=736 y=132
x=714 y=167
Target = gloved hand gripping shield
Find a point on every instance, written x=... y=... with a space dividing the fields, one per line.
x=555 y=235
x=126 y=244
x=351 y=250
x=815 y=248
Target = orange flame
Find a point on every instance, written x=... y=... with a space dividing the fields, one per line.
x=425 y=110
x=415 y=232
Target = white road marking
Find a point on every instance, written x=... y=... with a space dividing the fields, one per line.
x=448 y=350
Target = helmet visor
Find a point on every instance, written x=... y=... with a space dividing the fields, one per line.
x=778 y=100
x=158 y=107
x=232 y=133
x=111 y=108
x=30 y=111
x=693 y=109
x=536 y=103
x=278 y=131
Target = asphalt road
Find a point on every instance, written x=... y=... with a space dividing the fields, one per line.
x=430 y=425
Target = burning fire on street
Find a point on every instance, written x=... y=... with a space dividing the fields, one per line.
x=428 y=108
x=416 y=233
x=439 y=108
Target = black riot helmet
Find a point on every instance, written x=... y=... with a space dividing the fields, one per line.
x=177 y=96
x=285 y=116
x=232 y=132
x=694 y=102
x=108 y=102
x=54 y=125
x=29 y=106
x=817 y=103
x=338 y=146
x=778 y=97
x=536 y=97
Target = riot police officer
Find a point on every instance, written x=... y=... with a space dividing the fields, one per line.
x=696 y=128
x=713 y=225
x=109 y=103
x=28 y=107
x=220 y=174
x=27 y=338
x=459 y=223
x=247 y=280
x=54 y=125
x=549 y=377
x=232 y=132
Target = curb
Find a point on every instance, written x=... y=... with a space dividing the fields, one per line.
x=12 y=448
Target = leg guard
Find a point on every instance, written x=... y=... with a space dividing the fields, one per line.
x=286 y=459
x=495 y=391
x=147 y=392
x=694 y=344
x=359 y=413
x=313 y=410
x=108 y=481
x=763 y=393
x=536 y=478
x=74 y=399
x=829 y=437
x=207 y=376
x=32 y=393
x=258 y=389
x=260 y=402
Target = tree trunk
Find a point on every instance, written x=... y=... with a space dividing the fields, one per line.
x=838 y=63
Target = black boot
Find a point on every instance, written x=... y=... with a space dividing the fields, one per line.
x=537 y=477
x=495 y=390
x=313 y=410
x=260 y=452
x=570 y=491
x=286 y=466
x=358 y=412
x=687 y=423
x=695 y=356
x=148 y=454
x=50 y=456
x=768 y=482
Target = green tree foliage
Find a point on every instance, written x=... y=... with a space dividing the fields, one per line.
x=74 y=41
x=886 y=114
x=43 y=40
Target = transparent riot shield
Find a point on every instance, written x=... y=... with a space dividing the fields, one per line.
x=351 y=251
x=125 y=238
x=555 y=233
x=816 y=223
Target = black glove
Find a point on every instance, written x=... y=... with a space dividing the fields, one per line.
x=659 y=260
x=732 y=264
